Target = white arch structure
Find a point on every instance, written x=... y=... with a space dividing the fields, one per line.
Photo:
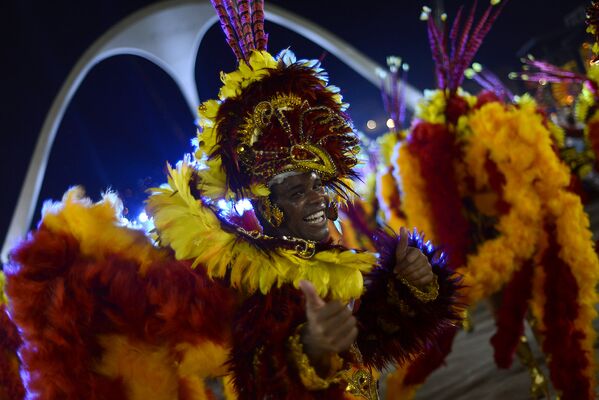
x=168 y=34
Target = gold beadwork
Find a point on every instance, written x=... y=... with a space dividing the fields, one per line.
x=313 y=158
x=394 y=299
x=262 y=115
x=307 y=373
x=360 y=382
x=302 y=153
x=304 y=248
x=332 y=211
x=430 y=292
x=272 y=213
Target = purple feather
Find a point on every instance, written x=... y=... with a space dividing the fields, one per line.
x=478 y=36
x=385 y=97
x=234 y=18
x=436 y=54
x=461 y=48
x=442 y=51
x=225 y=24
x=395 y=97
x=453 y=34
x=420 y=324
x=260 y=37
x=402 y=104
x=246 y=24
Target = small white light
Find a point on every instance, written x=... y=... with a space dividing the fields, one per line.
x=142 y=217
x=371 y=124
x=390 y=124
x=223 y=204
x=243 y=205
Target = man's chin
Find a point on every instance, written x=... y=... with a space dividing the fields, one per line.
x=317 y=235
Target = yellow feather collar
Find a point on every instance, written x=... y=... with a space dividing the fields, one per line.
x=194 y=232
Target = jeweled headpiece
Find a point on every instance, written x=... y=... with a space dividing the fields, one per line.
x=273 y=115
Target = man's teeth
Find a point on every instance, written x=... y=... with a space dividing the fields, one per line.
x=316 y=218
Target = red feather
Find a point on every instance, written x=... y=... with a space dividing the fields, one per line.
x=61 y=300
x=562 y=341
x=510 y=316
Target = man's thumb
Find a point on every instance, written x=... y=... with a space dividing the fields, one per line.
x=402 y=245
x=313 y=300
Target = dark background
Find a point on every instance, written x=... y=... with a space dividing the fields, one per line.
x=128 y=118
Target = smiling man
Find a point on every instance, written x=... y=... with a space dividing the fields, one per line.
x=301 y=197
x=107 y=312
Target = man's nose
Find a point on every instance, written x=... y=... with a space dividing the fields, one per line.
x=316 y=196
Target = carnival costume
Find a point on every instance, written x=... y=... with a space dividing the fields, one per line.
x=105 y=312
x=482 y=177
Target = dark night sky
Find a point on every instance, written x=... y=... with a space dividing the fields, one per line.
x=128 y=118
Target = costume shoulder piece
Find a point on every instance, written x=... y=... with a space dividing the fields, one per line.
x=195 y=230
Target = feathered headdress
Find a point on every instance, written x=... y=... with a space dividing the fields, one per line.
x=272 y=115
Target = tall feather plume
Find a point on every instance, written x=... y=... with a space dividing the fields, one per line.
x=242 y=21
x=394 y=102
x=542 y=71
x=453 y=33
x=231 y=8
x=402 y=96
x=488 y=81
x=464 y=42
x=225 y=24
x=439 y=53
x=246 y=24
x=478 y=35
x=260 y=37
x=461 y=46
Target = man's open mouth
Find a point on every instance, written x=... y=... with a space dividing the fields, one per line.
x=315 y=218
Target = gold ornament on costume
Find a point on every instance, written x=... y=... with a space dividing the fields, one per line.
x=332 y=211
x=290 y=112
x=272 y=213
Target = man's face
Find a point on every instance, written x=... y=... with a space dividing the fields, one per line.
x=303 y=202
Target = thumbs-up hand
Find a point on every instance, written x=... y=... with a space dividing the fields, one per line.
x=411 y=263
x=331 y=327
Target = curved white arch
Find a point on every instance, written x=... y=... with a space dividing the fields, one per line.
x=168 y=34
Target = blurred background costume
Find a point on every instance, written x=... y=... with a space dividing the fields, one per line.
x=105 y=311
x=482 y=177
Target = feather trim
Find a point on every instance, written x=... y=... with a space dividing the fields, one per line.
x=193 y=230
x=394 y=325
x=84 y=316
x=11 y=385
x=260 y=360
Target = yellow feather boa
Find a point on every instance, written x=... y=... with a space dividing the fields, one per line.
x=386 y=185
x=194 y=232
x=518 y=143
x=414 y=202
